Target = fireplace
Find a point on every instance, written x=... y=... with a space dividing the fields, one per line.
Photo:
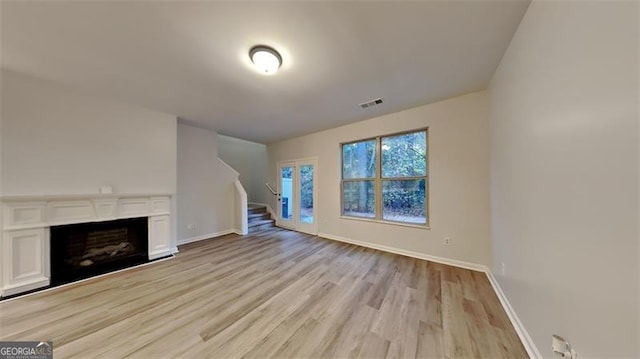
x=84 y=250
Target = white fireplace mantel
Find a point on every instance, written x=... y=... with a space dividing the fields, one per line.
x=26 y=221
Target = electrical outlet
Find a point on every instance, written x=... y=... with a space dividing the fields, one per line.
x=503 y=268
x=562 y=347
x=448 y=241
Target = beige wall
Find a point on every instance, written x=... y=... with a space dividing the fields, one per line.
x=564 y=175
x=205 y=186
x=250 y=160
x=59 y=141
x=459 y=182
x=56 y=140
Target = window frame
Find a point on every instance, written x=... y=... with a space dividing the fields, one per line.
x=378 y=180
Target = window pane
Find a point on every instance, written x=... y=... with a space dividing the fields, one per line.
x=358 y=199
x=403 y=201
x=405 y=155
x=359 y=159
x=306 y=194
x=286 y=188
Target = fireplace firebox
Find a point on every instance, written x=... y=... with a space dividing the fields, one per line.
x=80 y=251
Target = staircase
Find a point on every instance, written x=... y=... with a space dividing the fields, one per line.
x=259 y=218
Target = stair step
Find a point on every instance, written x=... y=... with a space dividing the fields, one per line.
x=262 y=227
x=254 y=216
x=259 y=218
x=261 y=222
x=256 y=209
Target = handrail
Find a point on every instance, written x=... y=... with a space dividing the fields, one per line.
x=271 y=189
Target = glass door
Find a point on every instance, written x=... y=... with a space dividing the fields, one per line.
x=286 y=172
x=298 y=197
x=306 y=200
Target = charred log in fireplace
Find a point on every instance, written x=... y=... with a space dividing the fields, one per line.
x=83 y=250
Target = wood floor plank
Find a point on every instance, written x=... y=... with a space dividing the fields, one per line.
x=458 y=343
x=272 y=294
x=374 y=347
x=430 y=341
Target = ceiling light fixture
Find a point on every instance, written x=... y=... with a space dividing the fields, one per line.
x=266 y=59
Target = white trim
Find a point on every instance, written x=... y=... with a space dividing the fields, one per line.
x=56 y=211
x=84 y=280
x=428 y=257
x=526 y=340
x=241 y=214
x=66 y=197
x=161 y=254
x=229 y=167
x=384 y=221
x=295 y=223
x=16 y=289
x=206 y=236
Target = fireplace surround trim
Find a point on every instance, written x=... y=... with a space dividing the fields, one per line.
x=26 y=222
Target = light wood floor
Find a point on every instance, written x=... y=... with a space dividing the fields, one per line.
x=277 y=294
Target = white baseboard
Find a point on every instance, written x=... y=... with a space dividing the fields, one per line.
x=8 y=291
x=526 y=340
x=206 y=236
x=452 y=262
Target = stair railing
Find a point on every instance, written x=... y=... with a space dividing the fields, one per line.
x=273 y=191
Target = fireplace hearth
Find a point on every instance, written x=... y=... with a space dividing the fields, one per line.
x=80 y=251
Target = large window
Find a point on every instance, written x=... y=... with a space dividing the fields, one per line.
x=385 y=178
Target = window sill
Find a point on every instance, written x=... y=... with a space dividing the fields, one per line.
x=373 y=220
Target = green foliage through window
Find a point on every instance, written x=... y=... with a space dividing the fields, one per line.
x=404 y=155
x=359 y=159
x=391 y=170
x=306 y=194
x=358 y=199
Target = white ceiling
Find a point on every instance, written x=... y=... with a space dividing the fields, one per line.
x=191 y=59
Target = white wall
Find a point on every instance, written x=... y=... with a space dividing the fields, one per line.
x=56 y=140
x=59 y=141
x=205 y=186
x=250 y=160
x=1 y=112
x=459 y=182
x=564 y=180
x=638 y=146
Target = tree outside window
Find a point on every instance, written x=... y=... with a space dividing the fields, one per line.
x=385 y=178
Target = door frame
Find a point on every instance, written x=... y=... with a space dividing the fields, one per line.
x=295 y=224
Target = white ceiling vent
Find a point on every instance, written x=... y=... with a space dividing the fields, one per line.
x=371 y=103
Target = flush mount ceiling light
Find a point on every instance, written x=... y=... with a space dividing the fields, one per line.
x=266 y=59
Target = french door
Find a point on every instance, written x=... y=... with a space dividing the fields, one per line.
x=297 y=197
